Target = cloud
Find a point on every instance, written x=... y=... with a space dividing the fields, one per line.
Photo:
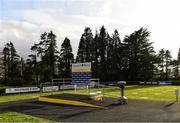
x=70 y=17
x=67 y=18
x=20 y=33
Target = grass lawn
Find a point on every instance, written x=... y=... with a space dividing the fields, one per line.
x=149 y=92
x=22 y=96
x=160 y=93
x=6 y=116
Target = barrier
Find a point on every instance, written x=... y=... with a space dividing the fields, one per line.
x=148 y=83
x=21 y=90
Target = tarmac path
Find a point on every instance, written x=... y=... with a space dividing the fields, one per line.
x=135 y=110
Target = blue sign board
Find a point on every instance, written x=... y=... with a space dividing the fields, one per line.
x=81 y=73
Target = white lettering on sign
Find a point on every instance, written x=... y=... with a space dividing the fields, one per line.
x=50 y=88
x=21 y=90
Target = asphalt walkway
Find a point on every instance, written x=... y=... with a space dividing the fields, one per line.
x=135 y=110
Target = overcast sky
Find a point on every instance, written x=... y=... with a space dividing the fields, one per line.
x=22 y=21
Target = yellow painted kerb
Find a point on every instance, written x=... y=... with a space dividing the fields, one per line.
x=67 y=102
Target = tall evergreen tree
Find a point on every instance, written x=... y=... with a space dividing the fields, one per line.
x=114 y=56
x=161 y=57
x=81 y=57
x=178 y=63
x=85 y=46
x=32 y=69
x=164 y=63
x=102 y=44
x=47 y=51
x=95 y=55
x=167 y=63
x=66 y=58
x=11 y=62
x=140 y=55
x=174 y=65
x=6 y=60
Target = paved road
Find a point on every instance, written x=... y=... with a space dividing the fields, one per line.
x=135 y=110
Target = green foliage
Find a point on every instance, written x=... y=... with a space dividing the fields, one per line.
x=174 y=64
x=32 y=71
x=168 y=58
x=65 y=60
x=86 y=44
x=132 y=59
x=11 y=65
x=139 y=55
x=114 y=57
x=164 y=63
x=7 y=116
x=47 y=53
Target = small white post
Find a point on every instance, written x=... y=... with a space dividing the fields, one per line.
x=177 y=94
x=75 y=87
x=87 y=87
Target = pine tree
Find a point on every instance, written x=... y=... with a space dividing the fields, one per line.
x=140 y=55
x=6 y=61
x=51 y=53
x=66 y=58
x=174 y=65
x=11 y=62
x=178 y=63
x=102 y=49
x=167 y=63
x=85 y=46
x=161 y=57
x=47 y=52
x=114 y=56
x=32 y=71
x=95 y=56
x=81 y=57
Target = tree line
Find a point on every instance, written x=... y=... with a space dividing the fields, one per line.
x=113 y=59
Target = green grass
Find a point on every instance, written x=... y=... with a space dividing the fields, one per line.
x=148 y=92
x=160 y=93
x=23 y=96
x=6 y=116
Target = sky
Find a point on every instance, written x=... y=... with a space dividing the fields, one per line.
x=23 y=21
